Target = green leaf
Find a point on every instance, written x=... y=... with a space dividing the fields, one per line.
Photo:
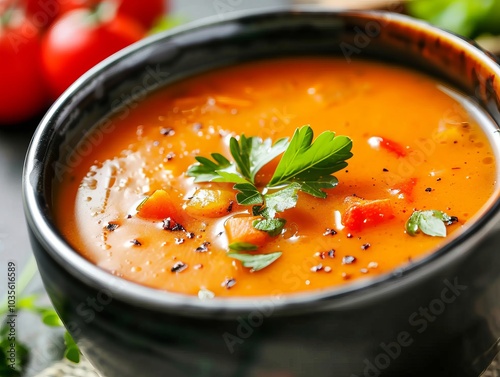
x=251 y=154
x=72 y=352
x=248 y=194
x=431 y=222
x=206 y=169
x=50 y=318
x=271 y=226
x=281 y=200
x=243 y=246
x=256 y=261
x=306 y=162
x=229 y=177
x=314 y=187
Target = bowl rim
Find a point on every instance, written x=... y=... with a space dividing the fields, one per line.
x=164 y=301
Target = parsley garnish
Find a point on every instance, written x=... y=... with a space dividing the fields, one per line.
x=243 y=246
x=432 y=223
x=305 y=166
x=256 y=261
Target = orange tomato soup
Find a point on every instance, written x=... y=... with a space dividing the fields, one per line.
x=414 y=148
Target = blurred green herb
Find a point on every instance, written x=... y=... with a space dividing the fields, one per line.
x=166 y=23
x=469 y=18
x=9 y=342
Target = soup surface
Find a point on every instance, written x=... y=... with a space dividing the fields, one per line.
x=415 y=148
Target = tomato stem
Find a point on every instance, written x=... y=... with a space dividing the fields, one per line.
x=104 y=11
x=7 y=16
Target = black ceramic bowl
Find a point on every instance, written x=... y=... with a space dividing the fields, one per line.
x=438 y=317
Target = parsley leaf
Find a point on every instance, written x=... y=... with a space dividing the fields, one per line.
x=243 y=246
x=207 y=170
x=271 y=226
x=280 y=201
x=248 y=194
x=256 y=261
x=431 y=222
x=252 y=153
x=305 y=161
x=72 y=353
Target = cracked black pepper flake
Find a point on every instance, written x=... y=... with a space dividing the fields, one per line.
x=170 y=156
x=179 y=267
x=348 y=259
x=428 y=189
x=453 y=219
x=112 y=226
x=331 y=253
x=203 y=248
x=229 y=283
x=178 y=241
x=365 y=246
x=439 y=179
x=317 y=268
x=329 y=232
x=136 y=242
x=129 y=216
x=172 y=225
x=220 y=234
x=167 y=131
x=385 y=170
x=230 y=206
x=190 y=235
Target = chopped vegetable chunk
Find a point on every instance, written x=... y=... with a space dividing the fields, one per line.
x=240 y=229
x=158 y=206
x=210 y=203
x=362 y=213
x=404 y=189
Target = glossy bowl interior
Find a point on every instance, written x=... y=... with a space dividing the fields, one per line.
x=389 y=300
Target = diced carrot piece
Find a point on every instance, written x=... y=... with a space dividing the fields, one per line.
x=405 y=188
x=362 y=213
x=211 y=203
x=240 y=229
x=158 y=206
x=388 y=144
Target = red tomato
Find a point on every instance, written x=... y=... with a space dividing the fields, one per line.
x=42 y=12
x=146 y=12
x=78 y=40
x=23 y=92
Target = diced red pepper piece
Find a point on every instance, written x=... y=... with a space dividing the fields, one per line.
x=405 y=188
x=388 y=144
x=158 y=206
x=240 y=229
x=362 y=213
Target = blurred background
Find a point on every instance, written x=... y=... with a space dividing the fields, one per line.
x=47 y=44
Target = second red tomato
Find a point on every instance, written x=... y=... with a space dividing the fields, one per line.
x=80 y=39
